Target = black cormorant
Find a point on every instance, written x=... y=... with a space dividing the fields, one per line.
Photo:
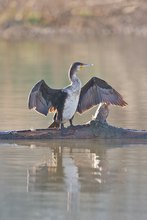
x=73 y=98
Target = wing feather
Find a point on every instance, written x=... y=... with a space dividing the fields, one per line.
x=96 y=91
x=42 y=98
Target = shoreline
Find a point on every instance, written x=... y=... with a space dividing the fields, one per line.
x=27 y=32
x=73 y=19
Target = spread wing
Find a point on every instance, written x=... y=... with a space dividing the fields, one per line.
x=97 y=91
x=43 y=98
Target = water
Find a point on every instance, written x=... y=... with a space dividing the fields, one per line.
x=73 y=180
x=121 y=62
x=92 y=179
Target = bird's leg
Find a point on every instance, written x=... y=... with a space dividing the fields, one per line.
x=55 y=123
x=55 y=116
x=70 y=121
x=62 y=126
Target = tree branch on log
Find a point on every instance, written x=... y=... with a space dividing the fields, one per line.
x=98 y=128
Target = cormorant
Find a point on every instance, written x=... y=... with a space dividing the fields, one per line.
x=73 y=98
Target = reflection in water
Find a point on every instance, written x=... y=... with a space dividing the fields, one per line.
x=47 y=174
x=73 y=180
x=70 y=169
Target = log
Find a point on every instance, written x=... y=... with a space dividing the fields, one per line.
x=98 y=128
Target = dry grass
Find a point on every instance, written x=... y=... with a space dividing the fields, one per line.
x=105 y=16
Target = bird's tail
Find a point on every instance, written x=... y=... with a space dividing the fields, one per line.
x=55 y=125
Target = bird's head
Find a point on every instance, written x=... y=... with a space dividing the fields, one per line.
x=75 y=67
x=78 y=66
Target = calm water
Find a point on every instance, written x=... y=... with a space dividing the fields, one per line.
x=73 y=179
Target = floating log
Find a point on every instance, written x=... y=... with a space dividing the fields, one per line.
x=98 y=128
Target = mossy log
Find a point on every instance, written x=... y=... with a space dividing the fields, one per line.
x=96 y=128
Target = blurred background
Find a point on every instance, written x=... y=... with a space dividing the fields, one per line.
x=31 y=18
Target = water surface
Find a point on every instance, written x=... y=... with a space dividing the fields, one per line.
x=121 y=62
x=73 y=179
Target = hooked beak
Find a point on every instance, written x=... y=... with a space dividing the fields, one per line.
x=86 y=65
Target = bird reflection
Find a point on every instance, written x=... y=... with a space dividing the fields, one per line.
x=47 y=174
x=68 y=168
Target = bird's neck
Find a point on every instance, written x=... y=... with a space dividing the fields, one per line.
x=72 y=74
x=75 y=81
x=73 y=77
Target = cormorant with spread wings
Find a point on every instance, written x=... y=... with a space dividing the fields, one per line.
x=73 y=98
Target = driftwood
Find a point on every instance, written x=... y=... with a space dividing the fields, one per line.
x=96 y=128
